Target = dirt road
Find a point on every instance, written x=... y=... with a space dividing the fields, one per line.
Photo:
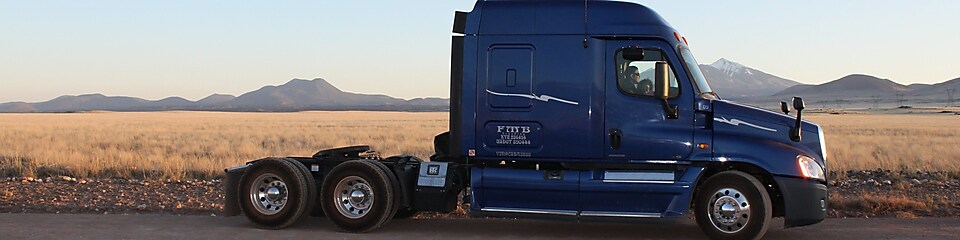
x=83 y=226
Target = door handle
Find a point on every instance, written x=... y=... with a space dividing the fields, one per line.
x=615 y=138
x=672 y=111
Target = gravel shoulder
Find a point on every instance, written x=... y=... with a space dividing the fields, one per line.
x=110 y=196
x=852 y=194
x=884 y=193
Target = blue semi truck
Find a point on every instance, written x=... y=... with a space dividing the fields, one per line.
x=582 y=110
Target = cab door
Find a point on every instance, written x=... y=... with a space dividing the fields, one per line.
x=638 y=126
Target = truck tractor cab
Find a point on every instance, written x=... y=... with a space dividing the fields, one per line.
x=598 y=109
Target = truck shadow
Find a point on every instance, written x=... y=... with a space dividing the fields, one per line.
x=491 y=228
x=515 y=229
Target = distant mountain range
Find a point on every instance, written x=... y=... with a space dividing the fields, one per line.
x=858 y=86
x=295 y=95
x=729 y=79
x=855 y=85
x=864 y=91
x=737 y=82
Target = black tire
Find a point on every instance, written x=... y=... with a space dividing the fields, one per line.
x=312 y=191
x=292 y=189
x=748 y=206
x=363 y=213
x=397 y=191
x=318 y=210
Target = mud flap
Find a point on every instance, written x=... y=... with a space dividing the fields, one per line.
x=437 y=189
x=231 y=204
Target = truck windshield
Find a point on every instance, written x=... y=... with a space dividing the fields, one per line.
x=701 y=82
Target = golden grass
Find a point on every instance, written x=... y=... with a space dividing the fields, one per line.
x=910 y=142
x=200 y=144
x=196 y=144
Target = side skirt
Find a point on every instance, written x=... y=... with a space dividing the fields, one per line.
x=571 y=215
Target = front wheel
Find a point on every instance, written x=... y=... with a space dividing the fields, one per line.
x=733 y=205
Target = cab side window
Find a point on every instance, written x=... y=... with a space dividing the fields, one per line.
x=636 y=77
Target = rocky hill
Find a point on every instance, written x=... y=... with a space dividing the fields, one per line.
x=295 y=95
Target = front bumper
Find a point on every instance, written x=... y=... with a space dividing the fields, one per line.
x=804 y=201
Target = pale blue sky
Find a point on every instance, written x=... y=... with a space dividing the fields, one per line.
x=155 y=49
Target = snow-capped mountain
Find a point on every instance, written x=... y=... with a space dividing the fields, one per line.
x=730 y=67
x=733 y=80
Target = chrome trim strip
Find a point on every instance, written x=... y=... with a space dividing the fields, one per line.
x=670 y=162
x=638 y=175
x=661 y=161
x=619 y=214
x=636 y=181
x=531 y=211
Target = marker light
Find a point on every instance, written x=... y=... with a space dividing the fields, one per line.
x=809 y=167
x=685 y=41
x=676 y=35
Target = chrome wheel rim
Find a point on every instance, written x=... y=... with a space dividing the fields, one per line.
x=268 y=193
x=729 y=211
x=353 y=197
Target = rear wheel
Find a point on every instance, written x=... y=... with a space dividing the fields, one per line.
x=395 y=184
x=358 y=196
x=311 y=198
x=275 y=193
x=733 y=205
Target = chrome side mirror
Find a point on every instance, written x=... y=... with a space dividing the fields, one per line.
x=662 y=89
x=784 y=108
x=662 y=77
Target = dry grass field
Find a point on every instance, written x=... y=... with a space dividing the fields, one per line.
x=195 y=144
x=177 y=145
x=909 y=142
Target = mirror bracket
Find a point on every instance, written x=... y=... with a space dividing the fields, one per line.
x=795 y=131
x=672 y=110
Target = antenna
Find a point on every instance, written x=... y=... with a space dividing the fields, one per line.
x=899 y=100
x=585 y=23
x=950 y=97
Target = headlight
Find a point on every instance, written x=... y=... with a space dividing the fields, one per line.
x=809 y=167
